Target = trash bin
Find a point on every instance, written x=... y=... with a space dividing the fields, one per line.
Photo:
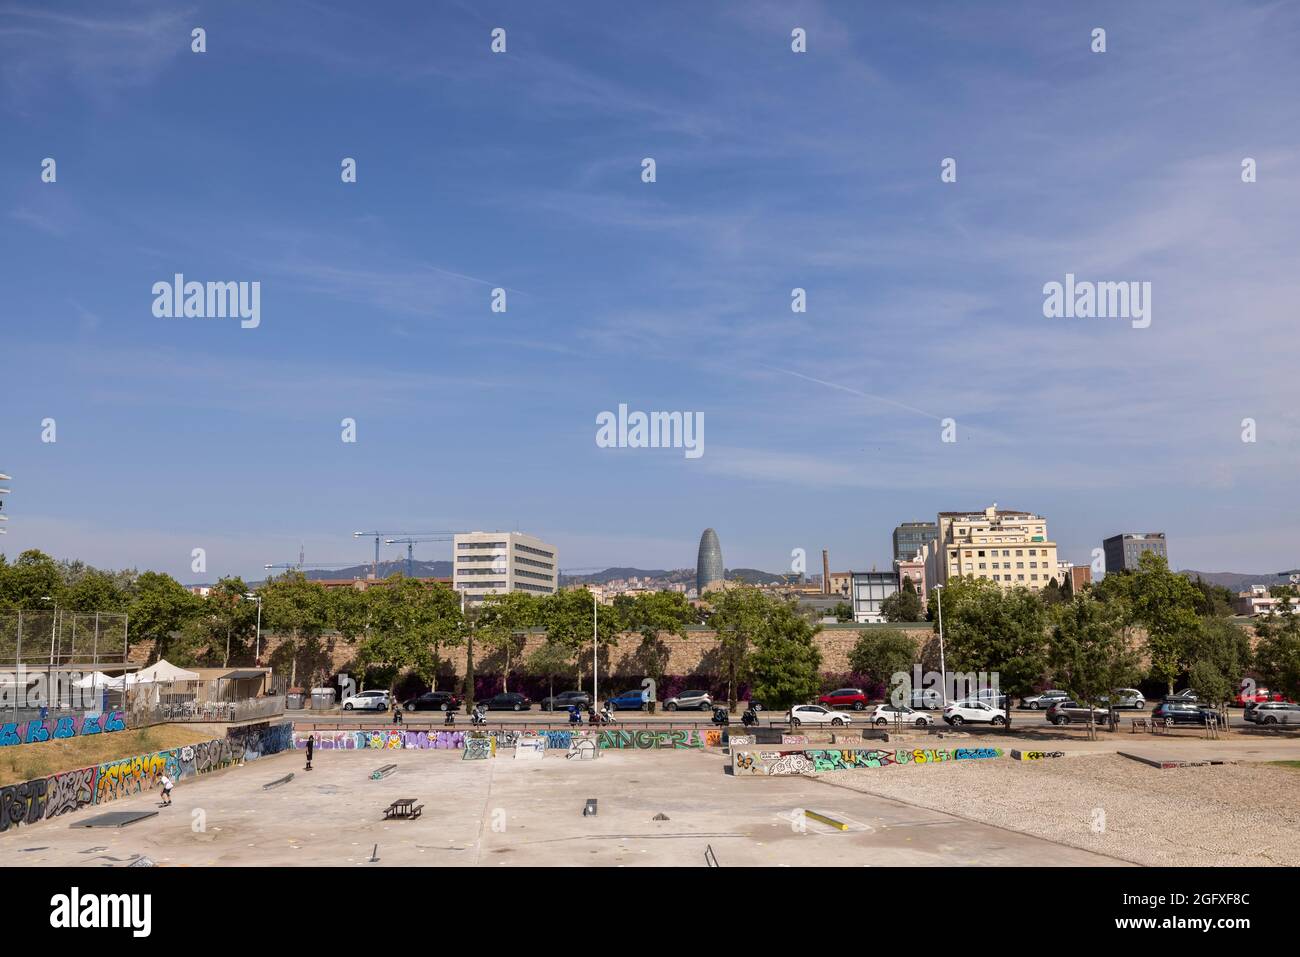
x=294 y=701
x=322 y=699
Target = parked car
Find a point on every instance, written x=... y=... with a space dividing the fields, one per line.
x=564 y=699
x=1070 y=711
x=1184 y=712
x=1043 y=700
x=1187 y=694
x=930 y=699
x=844 y=698
x=1258 y=696
x=626 y=701
x=367 y=701
x=887 y=714
x=690 y=700
x=507 y=701
x=433 y=701
x=815 y=714
x=975 y=712
x=1274 y=712
x=1126 y=698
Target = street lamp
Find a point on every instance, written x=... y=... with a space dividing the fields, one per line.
x=943 y=668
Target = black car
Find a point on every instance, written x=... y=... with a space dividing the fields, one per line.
x=1185 y=712
x=433 y=701
x=564 y=699
x=507 y=701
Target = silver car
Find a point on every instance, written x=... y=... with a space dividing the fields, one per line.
x=1044 y=700
x=690 y=700
x=1126 y=698
x=1274 y=712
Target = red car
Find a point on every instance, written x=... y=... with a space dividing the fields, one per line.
x=844 y=698
x=1258 y=696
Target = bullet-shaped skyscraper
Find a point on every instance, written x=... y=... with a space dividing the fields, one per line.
x=708 y=567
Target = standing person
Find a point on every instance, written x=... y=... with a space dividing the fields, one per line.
x=167 y=786
x=310 y=747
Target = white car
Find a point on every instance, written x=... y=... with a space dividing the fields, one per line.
x=816 y=714
x=367 y=701
x=887 y=714
x=974 y=712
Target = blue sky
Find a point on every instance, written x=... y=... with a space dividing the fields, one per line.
x=522 y=170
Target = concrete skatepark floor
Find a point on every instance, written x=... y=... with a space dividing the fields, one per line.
x=507 y=812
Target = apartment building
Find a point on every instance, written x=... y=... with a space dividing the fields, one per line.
x=484 y=563
x=1124 y=551
x=1001 y=545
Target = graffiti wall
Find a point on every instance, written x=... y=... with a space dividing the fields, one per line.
x=1035 y=755
x=817 y=760
x=648 y=740
x=479 y=747
x=67 y=726
x=422 y=740
x=69 y=791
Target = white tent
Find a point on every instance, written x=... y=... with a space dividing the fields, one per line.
x=163 y=671
x=97 y=679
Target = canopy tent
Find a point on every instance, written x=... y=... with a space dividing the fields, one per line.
x=163 y=671
x=97 y=679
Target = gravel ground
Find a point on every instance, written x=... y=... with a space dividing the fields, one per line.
x=1222 y=815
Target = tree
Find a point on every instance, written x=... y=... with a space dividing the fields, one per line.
x=904 y=604
x=1087 y=653
x=549 y=661
x=234 y=617
x=996 y=632
x=786 y=662
x=1220 y=656
x=736 y=615
x=159 y=606
x=409 y=623
x=653 y=615
x=883 y=654
x=843 y=612
x=294 y=605
x=567 y=617
x=1164 y=603
x=1277 y=653
x=29 y=581
x=503 y=623
x=1051 y=594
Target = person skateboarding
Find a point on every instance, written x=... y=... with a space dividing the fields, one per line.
x=309 y=751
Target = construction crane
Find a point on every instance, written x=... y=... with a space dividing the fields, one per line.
x=380 y=536
x=410 y=544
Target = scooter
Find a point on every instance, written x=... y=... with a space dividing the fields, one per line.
x=478 y=718
x=575 y=716
x=607 y=716
x=750 y=718
x=721 y=718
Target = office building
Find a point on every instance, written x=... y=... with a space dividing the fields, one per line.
x=911 y=537
x=709 y=572
x=1124 y=551
x=484 y=563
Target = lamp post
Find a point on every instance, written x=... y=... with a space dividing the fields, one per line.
x=595 y=655
x=943 y=667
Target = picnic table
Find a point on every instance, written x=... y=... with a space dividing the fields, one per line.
x=404 y=808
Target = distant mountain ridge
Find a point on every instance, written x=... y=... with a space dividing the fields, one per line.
x=1238 y=581
x=443 y=569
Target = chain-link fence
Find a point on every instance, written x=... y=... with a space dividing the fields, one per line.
x=61 y=638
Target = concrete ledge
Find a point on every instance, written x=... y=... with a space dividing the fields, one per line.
x=1165 y=764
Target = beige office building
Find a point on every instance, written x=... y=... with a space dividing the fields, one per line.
x=488 y=562
x=1008 y=547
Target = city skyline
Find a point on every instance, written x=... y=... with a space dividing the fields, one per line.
x=522 y=172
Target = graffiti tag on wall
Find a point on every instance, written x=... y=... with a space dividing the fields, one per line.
x=67 y=726
x=816 y=760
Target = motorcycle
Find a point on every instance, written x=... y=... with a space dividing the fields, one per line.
x=750 y=718
x=575 y=716
x=721 y=718
x=478 y=718
x=607 y=716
